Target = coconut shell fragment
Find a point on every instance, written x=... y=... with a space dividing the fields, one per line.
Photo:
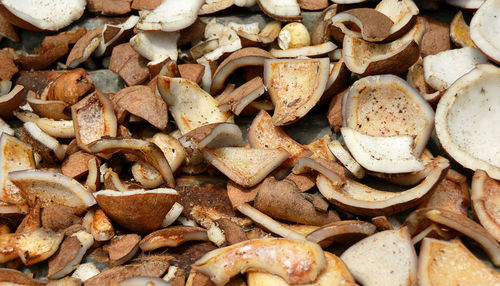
x=371 y=25
x=129 y=64
x=69 y=255
x=149 y=267
x=172 y=236
x=122 y=248
x=8 y=68
x=10 y=102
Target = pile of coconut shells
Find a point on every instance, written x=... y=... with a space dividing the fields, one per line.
x=249 y=142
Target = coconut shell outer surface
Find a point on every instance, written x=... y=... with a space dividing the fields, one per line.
x=135 y=212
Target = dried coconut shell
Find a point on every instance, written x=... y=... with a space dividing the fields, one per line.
x=129 y=64
x=8 y=68
x=123 y=248
x=7 y=30
x=313 y=4
x=242 y=96
x=233 y=233
x=12 y=277
x=304 y=182
x=334 y=114
x=283 y=200
x=322 y=28
x=371 y=25
x=50 y=50
x=109 y=7
x=52 y=109
x=145 y=4
x=172 y=237
x=76 y=164
x=101 y=228
x=69 y=87
x=10 y=102
x=84 y=47
x=193 y=72
x=36 y=81
x=460 y=32
x=436 y=37
x=57 y=217
x=239 y=195
x=150 y=267
x=142 y=102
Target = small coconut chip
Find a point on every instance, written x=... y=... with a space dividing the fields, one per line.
x=10 y=101
x=47 y=146
x=438 y=260
x=54 y=128
x=93 y=118
x=5 y=128
x=172 y=236
x=149 y=267
x=295 y=86
x=70 y=254
x=263 y=134
x=220 y=264
x=50 y=187
x=190 y=105
x=101 y=227
x=346 y=231
x=470 y=228
x=283 y=200
x=368 y=24
x=460 y=32
x=242 y=96
x=156 y=46
x=458 y=132
x=329 y=168
x=485 y=194
x=171 y=148
x=15 y=155
x=132 y=209
x=385 y=105
x=441 y=70
x=129 y=64
x=38 y=245
x=345 y=158
x=363 y=200
x=308 y=51
x=241 y=58
x=123 y=247
x=281 y=10
x=402 y=13
x=245 y=166
x=170 y=16
x=382 y=154
x=386 y=256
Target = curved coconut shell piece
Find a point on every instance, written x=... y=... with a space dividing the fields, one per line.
x=465 y=225
x=190 y=105
x=264 y=134
x=363 y=200
x=485 y=196
x=482 y=27
x=365 y=58
x=93 y=118
x=471 y=94
x=402 y=13
x=318 y=50
x=460 y=32
x=15 y=155
x=295 y=86
x=37 y=245
x=336 y=273
x=223 y=263
x=54 y=128
x=240 y=58
x=141 y=211
x=50 y=187
x=10 y=102
x=386 y=256
x=438 y=262
x=245 y=166
x=370 y=102
x=370 y=24
x=242 y=96
x=149 y=267
x=17 y=277
x=172 y=237
x=346 y=231
x=281 y=10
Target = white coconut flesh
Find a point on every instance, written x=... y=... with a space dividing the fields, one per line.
x=386 y=105
x=382 y=154
x=442 y=69
x=485 y=29
x=467 y=120
x=49 y=15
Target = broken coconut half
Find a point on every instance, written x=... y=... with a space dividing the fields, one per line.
x=45 y=15
x=295 y=86
x=363 y=200
x=50 y=187
x=283 y=257
x=386 y=256
x=382 y=154
x=133 y=209
x=386 y=105
x=451 y=263
x=485 y=196
x=466 y=120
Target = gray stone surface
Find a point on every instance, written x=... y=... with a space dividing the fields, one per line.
x=107 y=81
